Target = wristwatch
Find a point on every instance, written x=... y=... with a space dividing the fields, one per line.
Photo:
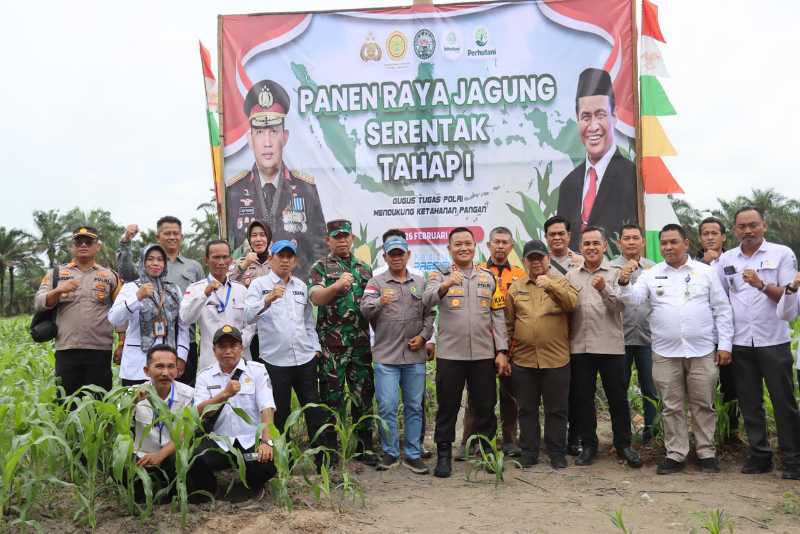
x=266 y=442
x=790 y=289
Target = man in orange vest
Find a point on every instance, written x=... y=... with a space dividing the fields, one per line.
x=500 y=245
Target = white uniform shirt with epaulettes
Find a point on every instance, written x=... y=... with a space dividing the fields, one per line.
x=470 y=328
x=254 y=397
x=225 y=305
x=152 y=439
x=82 y=314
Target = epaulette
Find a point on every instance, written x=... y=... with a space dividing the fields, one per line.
x=204 y=369
x=258 y=365
x=232 y=180
x=307 y=178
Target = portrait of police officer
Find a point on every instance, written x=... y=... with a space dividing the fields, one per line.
x=287 y=200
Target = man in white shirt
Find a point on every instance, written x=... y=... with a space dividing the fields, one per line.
x=755 y=275
x=278 y=304
x=690 y=315
x=235 y=383
x=152 y=442
x=215 y=301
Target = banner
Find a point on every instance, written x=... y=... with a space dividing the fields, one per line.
x=429 y=118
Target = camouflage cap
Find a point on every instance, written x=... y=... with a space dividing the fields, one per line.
x=339 y=226
x=266 y=104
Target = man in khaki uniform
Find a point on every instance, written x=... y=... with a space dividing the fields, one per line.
x=562 y=258
x=83 y=293
x=471 y=341
x=537 y=314
x=597 y=344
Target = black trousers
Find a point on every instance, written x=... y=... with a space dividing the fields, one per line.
x=479 y=377
x=130 y=382
x=727 y=385
x=256 y=473
x=584 y=385
x=76 y=368
x=303 y=379
x=773 y=365
x=532 y=386
x=190 y=373
x=199 y=478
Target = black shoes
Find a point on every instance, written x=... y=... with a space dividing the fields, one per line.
x=511 y=450
x=426 y=454
x=708 y=465
x=386 y=462
x=444 y=457
x=368 y=458
x=528 y=459
x=586 y=457
x=416 y=466
x=558 y=461
x=669 y=467
x=630 y=456
x=756 y=466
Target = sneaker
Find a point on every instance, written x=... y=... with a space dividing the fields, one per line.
x=416 y=465
x=386 y=462
x=756 y=466
x=558 y=461
x=669 y=467
x=709 y=465
x=511 y=450
x=426 y=454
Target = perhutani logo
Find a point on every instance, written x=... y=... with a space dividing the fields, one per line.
x=424 y=44
x=452 y=45
x=396 y=45
x=481 y=39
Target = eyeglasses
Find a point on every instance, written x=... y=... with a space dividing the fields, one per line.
x=80 y=241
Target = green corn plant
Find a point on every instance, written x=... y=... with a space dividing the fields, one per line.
x=723 y=410
x=125 y=473
x=715 y=522
x=347 y=438
x=769 y=410
x=658 y=420
x=490 y=458
x=791 y=503
x=619 y=522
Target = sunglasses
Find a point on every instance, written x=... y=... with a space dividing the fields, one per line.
x=88 y=241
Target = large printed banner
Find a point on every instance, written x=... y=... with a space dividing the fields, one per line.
x=428 y=118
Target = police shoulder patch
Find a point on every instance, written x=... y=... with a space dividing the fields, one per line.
x=307 y=178
x=235 y=178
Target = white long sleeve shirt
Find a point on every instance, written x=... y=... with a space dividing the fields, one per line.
x=753 y=311
x=254 y=397
x=126 y=310
x=213 y=312
x=287 y=333
x=787 y=310
x=687 y=304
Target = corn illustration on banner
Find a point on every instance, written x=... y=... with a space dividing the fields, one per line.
x=426 y=118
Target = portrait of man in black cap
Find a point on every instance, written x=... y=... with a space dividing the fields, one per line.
x=601 y=191
x=287 y=200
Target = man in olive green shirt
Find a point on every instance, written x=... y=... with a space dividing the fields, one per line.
x=537 y=315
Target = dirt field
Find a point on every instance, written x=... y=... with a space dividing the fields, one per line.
x=535 y=500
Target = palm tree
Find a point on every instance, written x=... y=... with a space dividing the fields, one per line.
x=109 y=230
x=204 y=229
x=15 y=248
x=51 y=234
x=782 y=215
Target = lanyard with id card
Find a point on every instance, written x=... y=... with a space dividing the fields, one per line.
x=159 y=324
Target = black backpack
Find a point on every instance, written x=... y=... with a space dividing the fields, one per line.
x=43 y=325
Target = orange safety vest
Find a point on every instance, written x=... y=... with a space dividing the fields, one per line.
x=503 y=279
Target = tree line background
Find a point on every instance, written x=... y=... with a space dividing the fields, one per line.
x=25 y=257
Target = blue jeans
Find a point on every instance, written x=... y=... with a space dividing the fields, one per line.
x=389 y=381
x=642 y=355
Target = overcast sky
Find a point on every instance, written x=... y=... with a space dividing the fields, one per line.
x=104 y=106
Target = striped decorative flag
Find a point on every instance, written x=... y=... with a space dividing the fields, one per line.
x=658 y=182
x=213 y=134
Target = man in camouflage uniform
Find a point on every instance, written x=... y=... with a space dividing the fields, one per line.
x=286 y=200
x=336 y=284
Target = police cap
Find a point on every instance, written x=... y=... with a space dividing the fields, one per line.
x=266 y=104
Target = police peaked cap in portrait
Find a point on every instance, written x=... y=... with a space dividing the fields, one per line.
x=595 y=82
x=266 y=104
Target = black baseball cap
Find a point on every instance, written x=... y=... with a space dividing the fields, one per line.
x=227 y=331
x=534 y=247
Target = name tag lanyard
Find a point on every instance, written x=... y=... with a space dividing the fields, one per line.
x=159 y=325
x=169 y=405
x=221 y=306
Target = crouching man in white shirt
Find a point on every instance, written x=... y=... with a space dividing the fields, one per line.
x=235 y=383
x=690 y=314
